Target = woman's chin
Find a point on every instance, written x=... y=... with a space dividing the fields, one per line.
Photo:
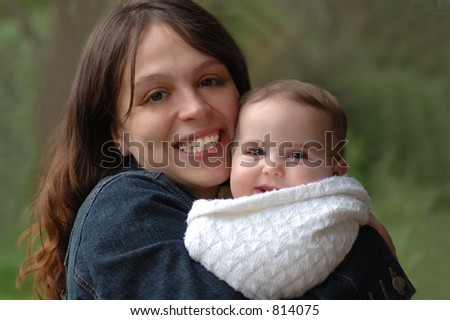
x=202 y=182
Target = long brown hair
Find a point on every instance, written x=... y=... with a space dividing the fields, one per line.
x=74 y=161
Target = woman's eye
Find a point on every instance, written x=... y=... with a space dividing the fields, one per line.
x=209 y=82
x=154 y=96
x=157 y=96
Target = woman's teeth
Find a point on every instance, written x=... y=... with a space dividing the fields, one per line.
x=201 y=144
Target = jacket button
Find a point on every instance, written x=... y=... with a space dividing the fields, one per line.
x=398 y=283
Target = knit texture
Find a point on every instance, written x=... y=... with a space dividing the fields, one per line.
x=278 y=244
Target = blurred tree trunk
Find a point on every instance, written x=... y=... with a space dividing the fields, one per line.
x=73 y=22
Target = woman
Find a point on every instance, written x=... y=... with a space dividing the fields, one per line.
x=152 y=109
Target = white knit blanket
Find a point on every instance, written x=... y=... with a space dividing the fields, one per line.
x=278 y=244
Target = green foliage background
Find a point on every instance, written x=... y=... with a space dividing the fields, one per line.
x=387 y=61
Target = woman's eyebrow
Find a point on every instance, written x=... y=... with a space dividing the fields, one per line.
x=149 y=78
x=207 y=63
x=160 y=76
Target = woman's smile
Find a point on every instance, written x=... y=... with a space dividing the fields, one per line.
x=200 y=144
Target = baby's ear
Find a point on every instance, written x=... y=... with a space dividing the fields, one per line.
x=340 y=167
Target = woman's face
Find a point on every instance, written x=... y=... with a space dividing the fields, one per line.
x=184 y=112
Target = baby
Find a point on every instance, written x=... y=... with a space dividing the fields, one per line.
x=295 y=213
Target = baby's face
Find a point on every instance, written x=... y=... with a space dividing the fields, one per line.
x=280 y=144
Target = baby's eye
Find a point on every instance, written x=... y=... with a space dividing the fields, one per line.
x=298 y=155
x=254 y=152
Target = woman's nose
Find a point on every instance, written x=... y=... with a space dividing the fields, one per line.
x=193 y=106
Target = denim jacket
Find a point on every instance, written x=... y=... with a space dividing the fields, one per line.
x=127 y=243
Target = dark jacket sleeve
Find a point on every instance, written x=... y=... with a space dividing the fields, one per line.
x=369 y=271
x=129 y=245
